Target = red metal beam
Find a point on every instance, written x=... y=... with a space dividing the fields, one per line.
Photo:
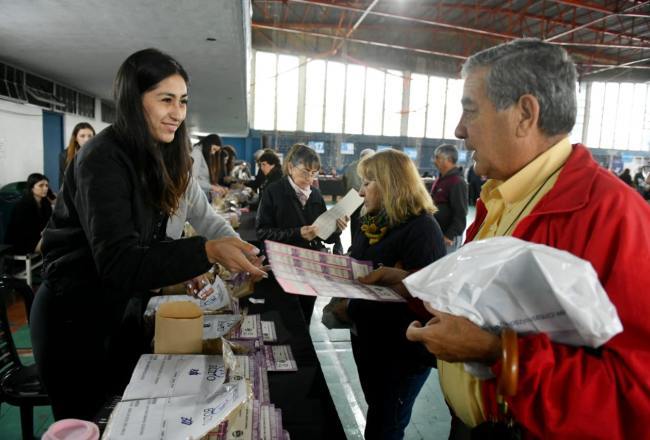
x=546 y=20
x=255 y=25
x=591 y=23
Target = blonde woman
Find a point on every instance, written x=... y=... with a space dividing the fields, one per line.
x=397 y=230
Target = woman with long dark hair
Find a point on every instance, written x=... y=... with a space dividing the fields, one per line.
x=81 y=133
x=30 y=215
x=207 y=164
x=105 y=248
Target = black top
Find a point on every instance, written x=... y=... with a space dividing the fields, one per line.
x=105 y=242
x=27 y=222
x=280 y=215
x=274 y=175
x=382 y=326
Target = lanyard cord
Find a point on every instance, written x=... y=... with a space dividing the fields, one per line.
x=530 y=200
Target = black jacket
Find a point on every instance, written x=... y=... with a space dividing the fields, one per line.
x=381 y=326
x=27 y=222
x=105 y=242
x=274 y=175
x=280 y=215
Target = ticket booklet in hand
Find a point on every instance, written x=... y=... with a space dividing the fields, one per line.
x=307 y=272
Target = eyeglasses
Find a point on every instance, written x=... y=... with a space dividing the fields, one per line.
x=307 y=173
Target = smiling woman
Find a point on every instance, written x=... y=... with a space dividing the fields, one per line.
x=105 y=248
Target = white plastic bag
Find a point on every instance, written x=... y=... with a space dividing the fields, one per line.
x=531 y=288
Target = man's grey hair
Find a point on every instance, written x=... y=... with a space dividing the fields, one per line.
x=366 y=152
x=531 y=66
x=447 y=150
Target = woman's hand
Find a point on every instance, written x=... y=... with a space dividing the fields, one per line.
x=342 y=223
x=235 y=255
x=196 y=284
x=309 y=232
x=388 y=276
x=218 y=190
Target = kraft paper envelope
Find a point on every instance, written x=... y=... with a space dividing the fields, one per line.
x=179 y=328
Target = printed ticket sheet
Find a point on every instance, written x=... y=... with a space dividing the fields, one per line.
x=269 y=333
x=165 y=375
x=326 y=222
x=307 y=272
x=173 y=418
x=279 y=358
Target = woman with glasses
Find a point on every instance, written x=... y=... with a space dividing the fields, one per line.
x=289 y=207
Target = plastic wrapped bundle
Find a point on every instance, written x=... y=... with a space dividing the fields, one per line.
x=531 y=288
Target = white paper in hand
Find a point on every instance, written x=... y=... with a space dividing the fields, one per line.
x=531 y=288
x=326 y=223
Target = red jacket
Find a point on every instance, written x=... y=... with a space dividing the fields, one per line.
x=568 y=392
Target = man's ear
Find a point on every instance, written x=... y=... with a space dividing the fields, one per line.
x=527 y=114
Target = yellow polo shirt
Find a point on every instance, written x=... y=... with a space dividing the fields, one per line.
x=507 y=203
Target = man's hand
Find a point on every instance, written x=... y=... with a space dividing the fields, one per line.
x=455 y=339
x=309 y=232
x=447 y=241
x=236 y=255
x=390 y=277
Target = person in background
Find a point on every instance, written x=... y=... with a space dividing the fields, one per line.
x=259 y=175
x=474 y=185
x=30 y=216
x=227 y=157
x=270 y=168
x=351 y=179
x=449 y=193
x=289 y=207
x=626 y=177
x=519 y=106
x=398 y=229
x=105 y=248
x=639 y=180
x=206 y=167
x=81 y=133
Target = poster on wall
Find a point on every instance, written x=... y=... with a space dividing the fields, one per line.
x=317 y=146
x=411 y=152
x=347 y=148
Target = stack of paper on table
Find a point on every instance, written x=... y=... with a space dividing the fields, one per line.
x=175 y=396
x=307 y=272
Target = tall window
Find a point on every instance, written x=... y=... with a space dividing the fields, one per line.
x=576 y=133
x=436 y=106
x=454 y=108
x=287 y=103
x=314 y=95
x=354 y=99
x=393 y=103
x=334 y=97
x=417 y=105
x=374 y=102
x=264 y=110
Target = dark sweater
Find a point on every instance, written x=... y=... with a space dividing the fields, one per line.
x=381 y=327
x=104 y=241
x=280 y=215
x=27 y=222
x=449 y=194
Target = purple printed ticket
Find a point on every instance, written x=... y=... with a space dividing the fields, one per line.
x=307 y=272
